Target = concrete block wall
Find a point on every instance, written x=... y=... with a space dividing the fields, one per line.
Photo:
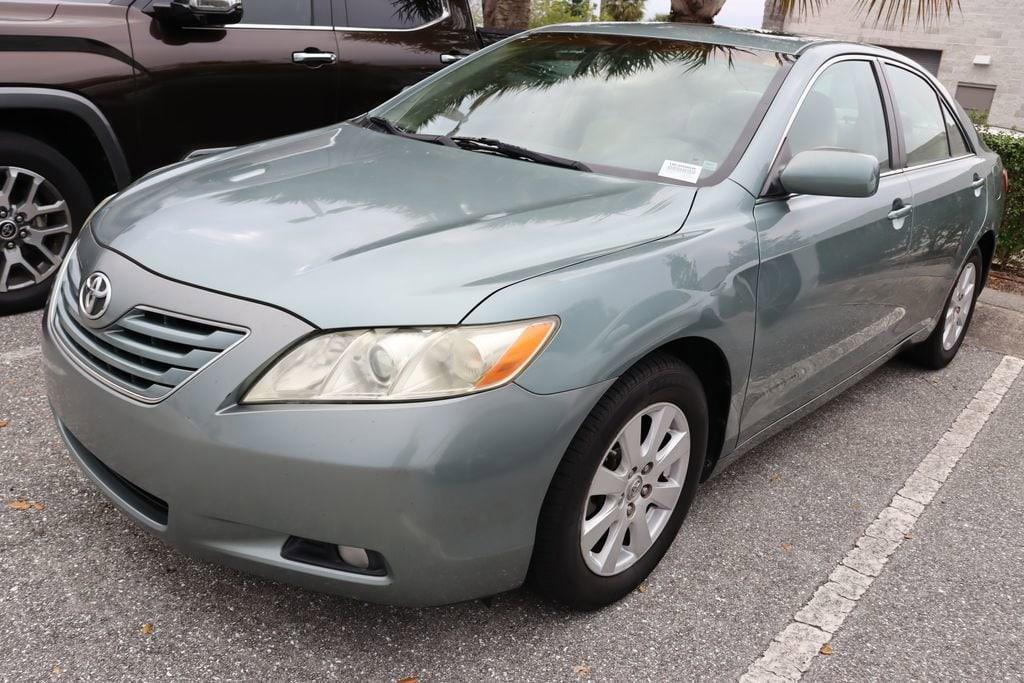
x=981 y=27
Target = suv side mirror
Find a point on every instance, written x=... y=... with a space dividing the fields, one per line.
x=196 y=12
x=832 y=173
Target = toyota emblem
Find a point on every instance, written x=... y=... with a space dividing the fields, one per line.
x=94 y=296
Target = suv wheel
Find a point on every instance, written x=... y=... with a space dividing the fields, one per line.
x=43 y=201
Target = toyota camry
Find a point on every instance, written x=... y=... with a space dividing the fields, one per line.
x=499 y=329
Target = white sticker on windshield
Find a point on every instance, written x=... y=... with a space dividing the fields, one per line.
x=679 y=170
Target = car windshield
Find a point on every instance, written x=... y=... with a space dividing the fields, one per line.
x=638 y=107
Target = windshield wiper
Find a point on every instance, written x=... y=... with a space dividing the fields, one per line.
x=392 y=128
x=517 y=152
x=478 y=145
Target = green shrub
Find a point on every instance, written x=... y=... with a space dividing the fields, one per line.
x=1011 y=238
x=544 y=12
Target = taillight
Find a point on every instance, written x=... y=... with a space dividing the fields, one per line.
x=1006 y=182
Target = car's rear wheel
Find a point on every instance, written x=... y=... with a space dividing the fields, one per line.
x=942 y=345
x=624 y=486
x=43 y=201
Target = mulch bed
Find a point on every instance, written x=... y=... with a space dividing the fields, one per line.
x=1007 y=281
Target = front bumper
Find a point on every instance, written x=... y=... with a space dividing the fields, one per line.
x=447 y=491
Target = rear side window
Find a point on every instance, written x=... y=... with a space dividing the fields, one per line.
x=957 y=143
x=843 y=110
x=393 y=14
x=278 y=12
x=924 y=128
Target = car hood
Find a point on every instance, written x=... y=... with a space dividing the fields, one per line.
x=350 y=227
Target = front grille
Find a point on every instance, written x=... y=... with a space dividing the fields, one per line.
x=147 y=353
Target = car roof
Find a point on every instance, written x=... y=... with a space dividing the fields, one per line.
x=695 y=33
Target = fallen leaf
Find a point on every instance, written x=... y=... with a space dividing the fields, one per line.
x=787 y=547
x=826 y=649
x=775 y=477
x=582 y=670
x=147 y=629
x=409 y=679
x=4 y=423
x=642 y=588
x=22 y=504
x=57 y=670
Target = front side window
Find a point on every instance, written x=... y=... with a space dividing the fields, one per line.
x=917 y=105
x=393 y=14
x=278 y=12
x=640 y=107
x=843 y=110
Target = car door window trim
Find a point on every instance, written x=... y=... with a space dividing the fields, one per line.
x=446 y=12
x=873 y=62
x=943 y=104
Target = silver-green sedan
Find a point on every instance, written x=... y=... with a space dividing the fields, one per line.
x=500 y=328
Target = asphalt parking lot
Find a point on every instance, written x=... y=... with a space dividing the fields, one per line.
x=86 y=594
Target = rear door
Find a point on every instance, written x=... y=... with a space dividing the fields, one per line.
x=948 y=181
x=274 y=73
x=831 y=298
x=388 y=45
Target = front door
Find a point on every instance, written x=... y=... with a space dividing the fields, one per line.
x=273 y=74
x=831 y=293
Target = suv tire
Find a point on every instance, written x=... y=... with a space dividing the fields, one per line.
x=31 y=159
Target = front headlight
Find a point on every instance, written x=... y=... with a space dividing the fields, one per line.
x=403 y=364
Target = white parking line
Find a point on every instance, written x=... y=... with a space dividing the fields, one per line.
x=20 y=354
x=793 y=649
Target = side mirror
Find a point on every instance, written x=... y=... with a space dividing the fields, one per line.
x=832 y=173
x=191 y=13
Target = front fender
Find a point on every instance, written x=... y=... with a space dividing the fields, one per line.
x=616 y=309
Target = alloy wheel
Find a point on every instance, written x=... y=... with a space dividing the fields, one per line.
x=635 y=489
x=35 y=228
x=959 y=309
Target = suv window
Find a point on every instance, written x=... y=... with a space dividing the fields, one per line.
x=843 y=110
x=924 y=129
x=958 y=145
x=278 y=12
x=393 y=14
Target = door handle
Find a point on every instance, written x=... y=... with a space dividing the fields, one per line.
x=314 y=58
x=978 y=184
x=451 y=58
x=899 y=213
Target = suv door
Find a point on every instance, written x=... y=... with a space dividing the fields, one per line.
x=388 y=45
x=830 y=295
x=949 y=184
x=274 y=73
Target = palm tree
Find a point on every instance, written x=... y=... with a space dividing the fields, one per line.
x=515 y=14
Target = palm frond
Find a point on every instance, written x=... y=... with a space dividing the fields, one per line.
x=889 y=13
x=899 y=12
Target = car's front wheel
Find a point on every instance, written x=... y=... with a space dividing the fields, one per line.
x=624 y=486
x=942 y=345
x=43 y=201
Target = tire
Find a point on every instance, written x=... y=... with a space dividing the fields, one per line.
x=28 y=158
x=936 y=352
x=559 y=569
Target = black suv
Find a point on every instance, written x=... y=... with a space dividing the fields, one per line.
x=95 y=93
